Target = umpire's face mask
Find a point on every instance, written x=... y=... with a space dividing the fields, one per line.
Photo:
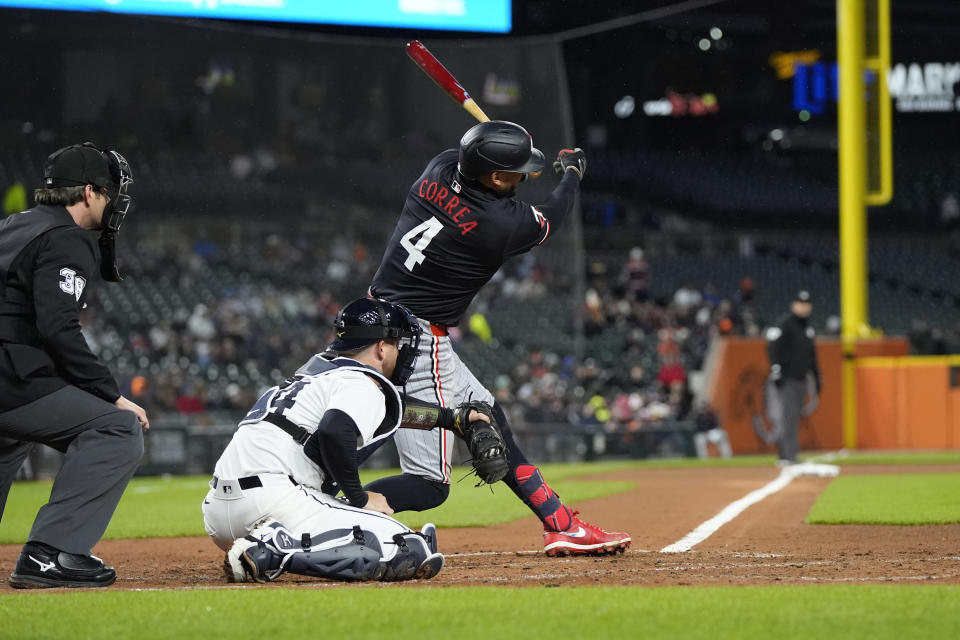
x=120 y=201
x=114 y=214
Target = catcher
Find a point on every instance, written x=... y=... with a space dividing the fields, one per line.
x=272 y=505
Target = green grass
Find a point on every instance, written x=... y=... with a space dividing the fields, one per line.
x=161 y=507
x=930 y=498
x=150 y=507
x=863 y=611
x=897 y=457
x=169 y=507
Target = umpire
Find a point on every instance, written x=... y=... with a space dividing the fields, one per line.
x=793 y=357
x=53 y=389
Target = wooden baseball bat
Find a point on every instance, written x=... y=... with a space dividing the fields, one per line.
x=444 y=79
x=429 y=64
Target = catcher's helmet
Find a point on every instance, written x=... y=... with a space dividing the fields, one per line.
x=498 y=145
x=368 y=320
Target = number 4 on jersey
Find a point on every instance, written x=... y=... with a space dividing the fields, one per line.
x=429 y=229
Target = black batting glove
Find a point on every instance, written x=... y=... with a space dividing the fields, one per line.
x=574 y=159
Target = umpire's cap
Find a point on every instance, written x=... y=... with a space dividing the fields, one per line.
x=76 y=166
x=82 y=164
x=498 y=145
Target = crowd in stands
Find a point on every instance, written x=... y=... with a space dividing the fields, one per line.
x=221 y=321
x=223 y=318
x=210 y=317
x=930 y=340
x=219 y=317
x=647 y=385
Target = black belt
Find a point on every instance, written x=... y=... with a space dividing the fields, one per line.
x=249 y=482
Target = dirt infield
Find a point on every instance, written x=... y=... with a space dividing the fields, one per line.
x=767 y=544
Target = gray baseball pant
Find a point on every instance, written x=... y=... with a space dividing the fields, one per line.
x=440 y=377
x=790 y=394
x=103 y=446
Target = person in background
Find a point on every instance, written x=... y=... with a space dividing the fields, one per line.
x=793 y=359
x=709 y=431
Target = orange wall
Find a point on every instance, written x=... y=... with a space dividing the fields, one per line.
x=909 y=402
x=736 y=391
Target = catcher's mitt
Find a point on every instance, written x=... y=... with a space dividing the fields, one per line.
x=488 y=452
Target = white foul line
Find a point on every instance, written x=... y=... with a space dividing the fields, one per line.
x=731 y=511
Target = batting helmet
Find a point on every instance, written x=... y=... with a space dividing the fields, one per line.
x=498 y=145
x=368 y=320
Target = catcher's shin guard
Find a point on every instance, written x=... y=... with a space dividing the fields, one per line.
x=414 y=560
x=351 y=562
x=270 y=550
x=429 y=533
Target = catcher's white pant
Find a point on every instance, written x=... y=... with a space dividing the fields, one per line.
x=439 y=377
x=230 y=513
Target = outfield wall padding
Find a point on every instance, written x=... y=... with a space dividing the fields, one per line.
x=910 y=402
x=735 y=388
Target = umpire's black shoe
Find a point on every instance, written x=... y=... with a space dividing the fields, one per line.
x=43 y=567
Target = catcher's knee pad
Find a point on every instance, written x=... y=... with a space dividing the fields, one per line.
x=256 y=556
x=414 y=559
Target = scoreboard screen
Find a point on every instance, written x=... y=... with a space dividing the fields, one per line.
x=451 y=15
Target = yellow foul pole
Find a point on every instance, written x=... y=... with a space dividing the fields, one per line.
x=851 y=131
x=865 y=134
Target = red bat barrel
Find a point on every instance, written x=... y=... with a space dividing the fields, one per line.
x=444 y=79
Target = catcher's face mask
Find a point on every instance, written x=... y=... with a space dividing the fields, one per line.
x=367 y=320
x=409 y=348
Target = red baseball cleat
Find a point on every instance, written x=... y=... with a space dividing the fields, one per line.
x=584 y=539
